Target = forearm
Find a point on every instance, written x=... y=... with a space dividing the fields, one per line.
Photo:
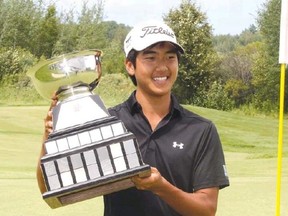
x=40 y=179
x=48 y=128
x=201 y=203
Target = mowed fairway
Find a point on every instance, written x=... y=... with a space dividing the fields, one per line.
x=250 y=145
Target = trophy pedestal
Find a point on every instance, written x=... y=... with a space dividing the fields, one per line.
x=89 y=159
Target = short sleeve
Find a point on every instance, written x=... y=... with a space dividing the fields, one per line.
x=210 y=169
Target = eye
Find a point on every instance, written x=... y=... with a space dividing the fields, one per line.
x=171 y=56
x=150 y=57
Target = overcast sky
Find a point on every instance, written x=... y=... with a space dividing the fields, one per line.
x=225 y=16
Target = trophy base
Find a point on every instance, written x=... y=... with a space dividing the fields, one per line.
x=92 y=189
x=90 y=160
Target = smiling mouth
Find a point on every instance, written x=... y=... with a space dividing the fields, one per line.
x=160 y=78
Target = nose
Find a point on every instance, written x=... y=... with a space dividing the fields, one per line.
x=162 y=65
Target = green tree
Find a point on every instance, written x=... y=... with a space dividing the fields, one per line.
x=266 y=83
x=236 y=72
x=197 y=65
x=238 y=54
x=266 y=72
x=113 y=59
x=17 y=21
x=48 y=33
x=90 y=32
x=269 y=24
x=225 y=43
x=67 y=41
x=249 y=35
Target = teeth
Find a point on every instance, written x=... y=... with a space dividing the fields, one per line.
x=160 y=78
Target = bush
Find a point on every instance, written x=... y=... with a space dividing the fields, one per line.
x=238 y=91
x=216 y=98
x=16 y=96
x=12 y=63
x=114 y=88
x=15 y=86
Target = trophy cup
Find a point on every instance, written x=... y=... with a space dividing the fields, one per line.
x=89 y=153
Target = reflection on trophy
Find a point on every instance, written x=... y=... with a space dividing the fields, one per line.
x=89 y=153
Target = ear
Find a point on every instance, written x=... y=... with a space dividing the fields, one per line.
x=130 y=68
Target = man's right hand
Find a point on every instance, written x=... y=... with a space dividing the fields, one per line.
x=48 y=125
x=48 y=121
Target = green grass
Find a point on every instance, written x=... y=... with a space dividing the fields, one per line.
x=20 y=134
x=252 y=174
x=253 y=186
x=257 y=135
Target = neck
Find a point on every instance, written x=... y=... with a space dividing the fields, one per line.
x=154 y=108
x=156 y=103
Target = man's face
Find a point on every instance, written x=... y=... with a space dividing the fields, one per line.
x=156 y=69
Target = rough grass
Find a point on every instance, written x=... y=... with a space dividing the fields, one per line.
x=114 y=88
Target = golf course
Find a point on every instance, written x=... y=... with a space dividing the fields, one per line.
x=250 y=145
x=235 y=69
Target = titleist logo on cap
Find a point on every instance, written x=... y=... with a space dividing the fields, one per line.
x=147 y=30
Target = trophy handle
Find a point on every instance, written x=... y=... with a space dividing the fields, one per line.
x=94 y=84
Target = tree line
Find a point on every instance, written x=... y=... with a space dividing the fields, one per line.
x=222 y=72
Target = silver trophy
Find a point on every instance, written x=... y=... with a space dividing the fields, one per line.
x=89 y=153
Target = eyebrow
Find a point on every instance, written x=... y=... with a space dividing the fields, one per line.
x=146 y=52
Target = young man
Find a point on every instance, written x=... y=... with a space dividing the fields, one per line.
x=182 y=148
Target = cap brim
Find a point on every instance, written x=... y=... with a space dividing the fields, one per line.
x=143 y=47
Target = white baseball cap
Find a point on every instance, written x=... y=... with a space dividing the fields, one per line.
x=148 y=33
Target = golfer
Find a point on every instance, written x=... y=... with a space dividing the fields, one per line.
x=183 y=148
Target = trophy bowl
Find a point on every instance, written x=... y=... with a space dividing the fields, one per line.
x=66 y=71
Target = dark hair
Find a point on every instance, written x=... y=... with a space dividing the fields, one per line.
x=132 y=55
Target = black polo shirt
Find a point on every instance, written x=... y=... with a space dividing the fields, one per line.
x=184 y=147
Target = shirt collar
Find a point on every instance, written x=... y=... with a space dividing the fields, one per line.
x=135 y=107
